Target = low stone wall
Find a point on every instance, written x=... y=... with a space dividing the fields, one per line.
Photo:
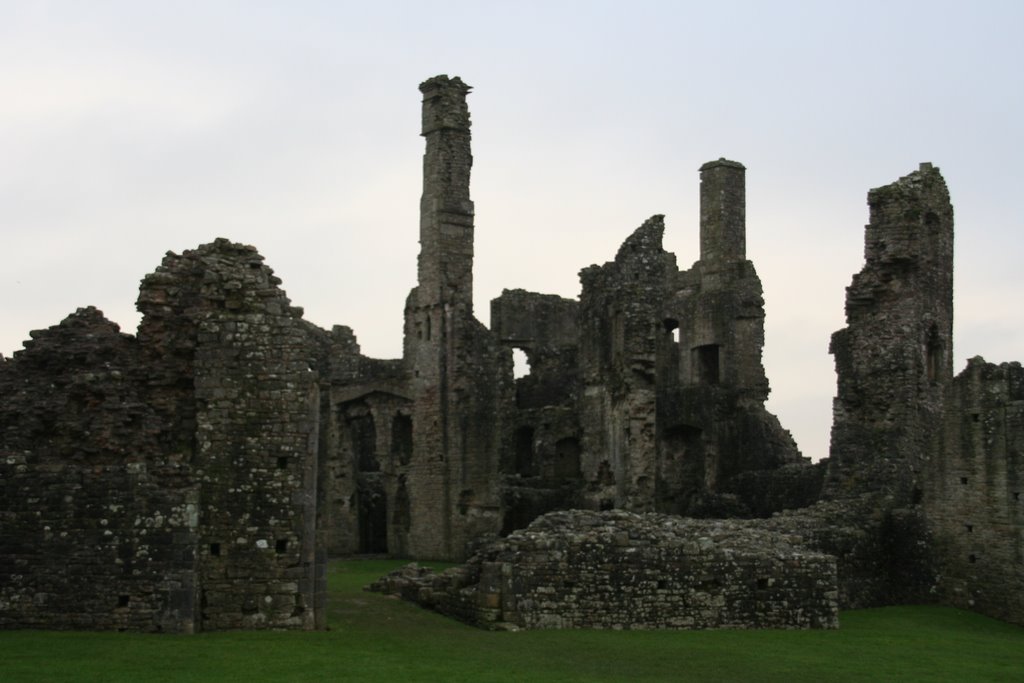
x=619 y=570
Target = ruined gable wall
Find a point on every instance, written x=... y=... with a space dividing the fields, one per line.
x=975 y=492
x=257 y=411
x=99 y=515
x=166 y=482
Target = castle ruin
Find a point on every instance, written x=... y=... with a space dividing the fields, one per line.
x=196 y=476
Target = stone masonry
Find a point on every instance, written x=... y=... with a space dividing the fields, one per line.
x=619 y=570
x=196 y=475
x=165 y=482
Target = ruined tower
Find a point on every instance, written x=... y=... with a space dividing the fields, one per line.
x=894 y=357
x=451 y=355
x=673 y=385
x=721 y=342
x=723 y=211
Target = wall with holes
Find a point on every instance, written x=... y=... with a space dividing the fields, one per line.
x=168 y=481
x=975 y=497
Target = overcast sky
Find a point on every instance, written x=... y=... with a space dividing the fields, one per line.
x=128 y=129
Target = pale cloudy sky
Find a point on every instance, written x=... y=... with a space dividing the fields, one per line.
x=131 y=128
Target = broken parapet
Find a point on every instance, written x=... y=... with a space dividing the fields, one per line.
x=620 y=570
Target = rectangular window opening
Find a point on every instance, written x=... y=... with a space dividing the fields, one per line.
x=707 y=364
x=215 y=549
x=281 y=546
x=122 y=600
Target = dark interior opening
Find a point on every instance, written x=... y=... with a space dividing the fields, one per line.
x=672 y=328
x=373 y=514
x=524 y=465
x=401 y=438
x=364 y=442
x=567 y=458
x=400 y=516
x=707 y=364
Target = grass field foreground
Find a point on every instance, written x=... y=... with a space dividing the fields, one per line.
x=378 y=638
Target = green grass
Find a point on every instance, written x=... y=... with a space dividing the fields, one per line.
x=377 y=638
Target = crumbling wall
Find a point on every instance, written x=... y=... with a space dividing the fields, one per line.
x=713 y=425
x=98 y=518
x=894 y=364
x=540 y=451
x=673 y=401
x=366 y=445
x=619 y=570
x=166 y=482
x=545 y=328
x=620 y=343
x=257 y=411
x=973 y=496
x=894 y=357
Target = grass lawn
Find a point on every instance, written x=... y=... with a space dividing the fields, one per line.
x=377 y=638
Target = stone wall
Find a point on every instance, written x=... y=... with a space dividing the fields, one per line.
x=257 y=412
x=672 y=405
x=99 y=519
x=894 y=357
x=620 y=345
x=192 y=477
x=169 y=481
x=975 y=492
x=619 y=570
